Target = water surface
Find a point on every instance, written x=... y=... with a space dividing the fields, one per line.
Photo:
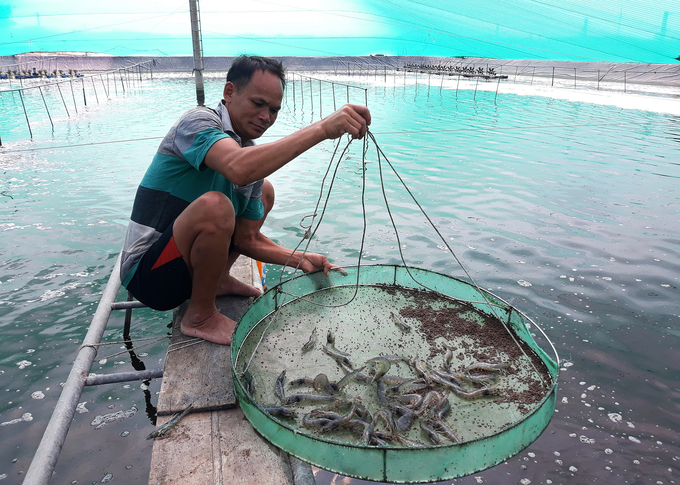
x=567 y=209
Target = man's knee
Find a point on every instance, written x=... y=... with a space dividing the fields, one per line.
x=215 y=205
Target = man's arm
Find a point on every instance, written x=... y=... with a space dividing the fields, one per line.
x=249 y=241
x=249 y=164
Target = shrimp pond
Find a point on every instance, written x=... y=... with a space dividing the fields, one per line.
x=564 y=203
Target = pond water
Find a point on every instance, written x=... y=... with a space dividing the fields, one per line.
x=563 y=202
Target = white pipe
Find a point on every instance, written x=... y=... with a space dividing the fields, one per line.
x=45 y=459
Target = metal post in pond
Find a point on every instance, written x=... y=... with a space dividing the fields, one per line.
x=121 y=81
x=198 y=50
x=553 y=77
x=62 y=99
x=103 y=85
x=311 y=95
x=95 y=90
x=83 y=83
x=46 y=109
x=348 y=93
x=25 y=113
x=73 y=95
x=333 y=86
x=457 y=84
x=497 y=86
x=476 y=84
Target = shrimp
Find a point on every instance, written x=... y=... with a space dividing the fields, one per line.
x=164 y=429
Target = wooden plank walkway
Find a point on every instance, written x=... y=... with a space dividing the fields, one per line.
x=215 y=444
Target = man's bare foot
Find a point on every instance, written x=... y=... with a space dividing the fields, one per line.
x=232 y=286
x=214 y=328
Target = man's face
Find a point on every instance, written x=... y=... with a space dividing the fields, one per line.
x=254 y=108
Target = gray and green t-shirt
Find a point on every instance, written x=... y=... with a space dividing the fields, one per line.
x=177 y=176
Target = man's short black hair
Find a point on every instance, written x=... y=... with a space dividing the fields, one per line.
x=242 y=69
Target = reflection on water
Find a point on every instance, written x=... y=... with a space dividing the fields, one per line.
x=567 y=210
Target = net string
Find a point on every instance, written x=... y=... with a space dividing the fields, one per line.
x=432 y=224
x=309 y=235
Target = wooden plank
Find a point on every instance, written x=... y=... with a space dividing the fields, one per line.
x=184 y=456
x=217 y=447
x=215 y=444
x=197 y=371
x=246 y=455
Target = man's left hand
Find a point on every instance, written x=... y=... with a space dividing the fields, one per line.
x=312 y=262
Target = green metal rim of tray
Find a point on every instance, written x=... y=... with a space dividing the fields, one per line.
x=396 y=464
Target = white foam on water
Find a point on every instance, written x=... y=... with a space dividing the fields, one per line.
x=102 y=420
x=26 y=417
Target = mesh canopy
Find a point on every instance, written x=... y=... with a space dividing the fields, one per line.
x=566 y=30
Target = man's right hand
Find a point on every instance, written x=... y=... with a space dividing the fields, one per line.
x=352 y=119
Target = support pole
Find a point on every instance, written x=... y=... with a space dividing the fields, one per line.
x=46 y=109
x=63 y=100
x=45 y=459
x=497 y=86
x=73 y=95
x=141 y=375
x=95 y=90
x=25 y=113
x=333 y=86
x=198 y=50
